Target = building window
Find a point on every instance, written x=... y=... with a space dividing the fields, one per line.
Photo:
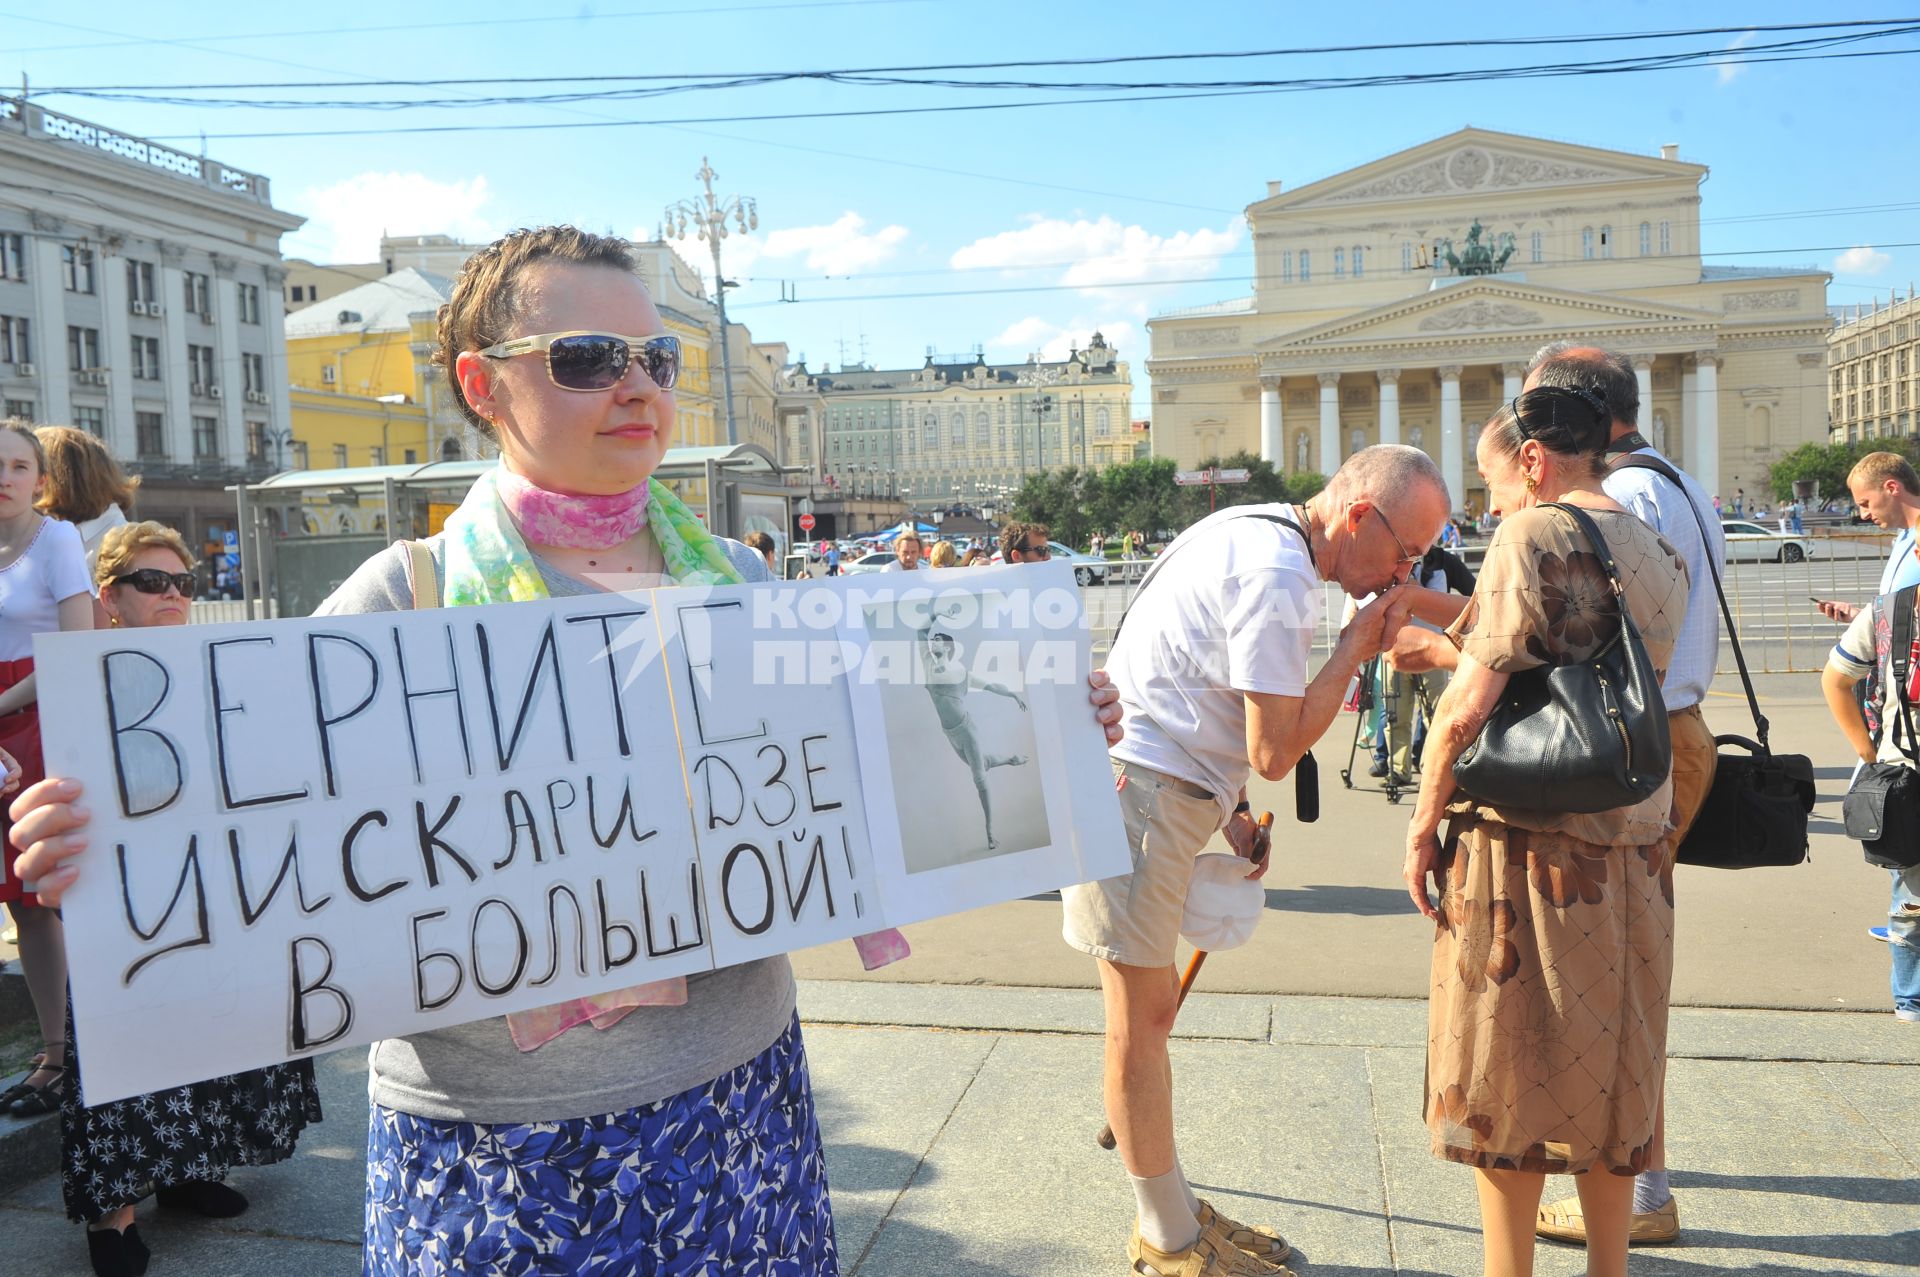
x=376 y=456
x=14 y=346
x=1339 y=263
x=451 y=452
x=1306 y=266
x=76 y=268
x=200 y=368
x=340 y=456
x=22 y=409
x=1406 y=257
x=139 y=281
x=297 y=293
x=150 y=435
x=83 y=348
x=1536 y=248
x=982 y=429
x=254 y=369
x=1646 y=239
x=90 y=419
x=1606 y=241
x=249 y=303
x=931 y=436
x=1359 y=262
x=146 y=359
x=199 y=294
x=13 y=256
x=1102 y=422
x=1666 y=238
x=1586 y=243
x=206 y=437
x=412 y=456
x=1286 y=266
x=256 y=442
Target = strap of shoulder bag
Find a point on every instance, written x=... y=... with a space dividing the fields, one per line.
x=1900 y=657
x=1642 y=461
x=1154 y=571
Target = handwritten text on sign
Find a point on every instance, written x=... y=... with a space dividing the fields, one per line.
x=310 y=834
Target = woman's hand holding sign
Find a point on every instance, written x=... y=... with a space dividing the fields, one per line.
x=49 y=828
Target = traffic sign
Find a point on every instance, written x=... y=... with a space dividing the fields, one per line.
x=1232 y=476
x=806 y=523
x=1190 y=478
x=1193 y=478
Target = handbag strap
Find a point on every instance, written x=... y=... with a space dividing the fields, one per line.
x=1900 y=657
x=1154 y=571
x=1642 y=461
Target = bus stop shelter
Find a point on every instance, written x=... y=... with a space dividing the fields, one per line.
x=303 y=532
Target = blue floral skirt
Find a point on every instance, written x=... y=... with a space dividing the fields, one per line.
x=726 y=1178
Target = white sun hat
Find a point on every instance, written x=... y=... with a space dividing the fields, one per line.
x=1223 y=904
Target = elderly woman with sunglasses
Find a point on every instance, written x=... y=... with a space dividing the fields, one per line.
x=668 y=1127
x=180 y=1143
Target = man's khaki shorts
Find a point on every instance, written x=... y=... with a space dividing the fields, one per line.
x=1695 y=760
x=1135 y=919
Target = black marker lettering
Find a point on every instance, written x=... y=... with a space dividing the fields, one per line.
x=628 y=815
x=519 y=816
x=607 y=649
x=138 y=767
x=409 y=695
x=806 y=760
x=726 y=888
x=430 y=842
x=674 y=943
x=519 y=953
x=553 y=931
x=545 y=658
x=607 y=928
x=323 y=720
x=301 y=1039
x=220 y=711
x=421 y=1000
x=202 y=935
x=816 y=859
x=779 y=770
x=554 y=808
x=696 y=647
x=714 y=818
x=289 y=863
x=347 y=870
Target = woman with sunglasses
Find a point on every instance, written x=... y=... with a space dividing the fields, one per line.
x=43 y=587
x=664 y=1126
x=180 y=1142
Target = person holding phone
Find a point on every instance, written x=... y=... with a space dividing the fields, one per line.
x=1887 y=491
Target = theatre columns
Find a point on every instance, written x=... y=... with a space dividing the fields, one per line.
x=1389 y=404
x=1703 y=439
x=1273 y=439
x=1643 y=377
x=1329 y=422
x=1453 y=456
x=1512 y=377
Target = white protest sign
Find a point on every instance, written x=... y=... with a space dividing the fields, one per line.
x=311 y=834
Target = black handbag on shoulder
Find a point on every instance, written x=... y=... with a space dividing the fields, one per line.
x=1882 y=808
x=1755 y=815
x=1575 y=738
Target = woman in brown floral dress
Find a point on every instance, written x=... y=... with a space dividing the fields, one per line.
x=1553 y=953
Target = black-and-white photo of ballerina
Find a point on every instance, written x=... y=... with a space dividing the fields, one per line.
x=970 y=689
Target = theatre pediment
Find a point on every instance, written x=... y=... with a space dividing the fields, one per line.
x=1480 y=309
x=1478 y=162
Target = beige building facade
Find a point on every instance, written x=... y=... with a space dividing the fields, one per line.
x=1400 y=302
x=957 y=431
x=1873 y=371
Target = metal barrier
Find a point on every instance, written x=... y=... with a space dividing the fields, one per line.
x=1781 y=632
x=214 y=611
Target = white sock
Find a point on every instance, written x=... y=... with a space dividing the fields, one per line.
x=1166 y=1222
x=1193 y=1203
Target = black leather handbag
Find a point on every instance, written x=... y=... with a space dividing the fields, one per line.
x=1755 y=814
x=1882 y=807
x=1575 y=738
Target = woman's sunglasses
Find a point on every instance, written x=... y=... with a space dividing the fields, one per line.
x=154 y=581
x=597 y=361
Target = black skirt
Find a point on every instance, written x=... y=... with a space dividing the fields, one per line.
x=112 y=1155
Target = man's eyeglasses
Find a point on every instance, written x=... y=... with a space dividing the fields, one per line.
x=597 y=361
x=1406 y=557
x=1041 y=551
x=154 y=581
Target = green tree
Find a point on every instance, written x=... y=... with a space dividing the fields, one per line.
x=1826 y=464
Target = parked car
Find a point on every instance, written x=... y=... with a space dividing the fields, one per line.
x=1087 y=570
x=874 y=561
x=1752 y=543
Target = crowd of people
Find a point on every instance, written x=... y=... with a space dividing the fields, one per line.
x=596 y=1151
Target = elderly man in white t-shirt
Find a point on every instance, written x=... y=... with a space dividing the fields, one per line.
x=1211 y=663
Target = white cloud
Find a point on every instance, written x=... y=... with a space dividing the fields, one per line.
x=1053 y=341
x=1102 y=254
x=1863 y=260
x=843 y=246
x=1728 y=68
x=345 y=220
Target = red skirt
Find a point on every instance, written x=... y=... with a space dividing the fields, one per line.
x=19 y=736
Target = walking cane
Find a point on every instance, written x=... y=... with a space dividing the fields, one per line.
x=1264 y=833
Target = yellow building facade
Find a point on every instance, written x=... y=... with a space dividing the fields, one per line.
x=1401 y=302
x=356 y=366
x=1874 y=371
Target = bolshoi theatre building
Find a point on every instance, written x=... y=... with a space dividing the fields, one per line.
x=1401 y=301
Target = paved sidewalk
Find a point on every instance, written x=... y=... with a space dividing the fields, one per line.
x=960 y=1124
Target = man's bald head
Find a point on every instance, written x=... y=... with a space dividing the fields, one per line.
x=1394 y=477
x=1572 y=366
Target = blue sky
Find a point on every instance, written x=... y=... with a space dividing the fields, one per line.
x=1078 y=215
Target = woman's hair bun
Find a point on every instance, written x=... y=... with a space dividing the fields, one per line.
x=1564 y=420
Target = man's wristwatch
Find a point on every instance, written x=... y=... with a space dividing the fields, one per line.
x=1244 y=808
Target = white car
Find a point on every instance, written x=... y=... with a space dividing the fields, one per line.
x=1752 y=543
x=875 y=561
x=1087 y=570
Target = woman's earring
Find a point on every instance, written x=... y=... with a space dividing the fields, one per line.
x=1532 y=483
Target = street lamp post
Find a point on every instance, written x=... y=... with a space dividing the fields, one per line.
x=1037 y=377
x=279 y=437
x=709 y=214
